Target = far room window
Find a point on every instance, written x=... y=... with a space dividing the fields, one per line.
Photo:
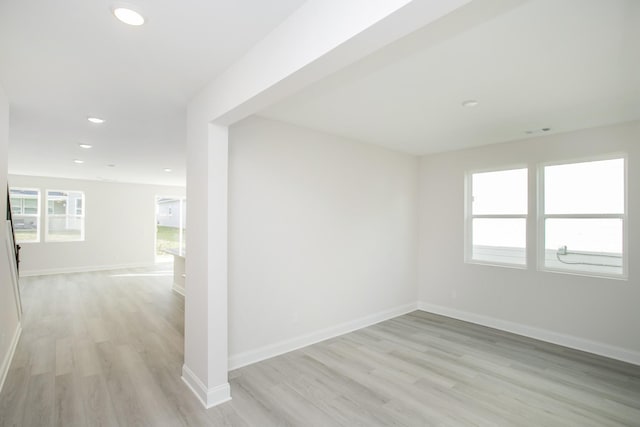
x=25 y=213
x=65 y=216
x=171 y=229
x=497 y=217
x=584 y=217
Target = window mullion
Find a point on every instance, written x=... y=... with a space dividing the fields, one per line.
x=499 y=216
x=586 y=216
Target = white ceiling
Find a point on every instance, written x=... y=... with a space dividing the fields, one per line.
x=63 y=61
x=566 y=65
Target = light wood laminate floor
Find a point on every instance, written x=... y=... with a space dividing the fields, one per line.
x=106 y=349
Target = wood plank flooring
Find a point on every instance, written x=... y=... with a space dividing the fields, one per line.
x=105 y=349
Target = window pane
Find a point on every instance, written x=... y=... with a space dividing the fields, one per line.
x=65 y=228
x=25 y=214
x=501 y=192
x=31 y=206
x=64 y=224
x=25 y=228
x=500 y=240
x=171 y=225
x=592 y=245
x=583 y=188
x=16 y=205
x=589 y=235
x=58 y=207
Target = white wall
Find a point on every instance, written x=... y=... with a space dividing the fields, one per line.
x=322 y=235
x=119 y=226
x=9 y=321
x=595 y=314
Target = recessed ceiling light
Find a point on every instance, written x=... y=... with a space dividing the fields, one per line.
x=96 y=120
x=167 y=170
x=85 y=145
x=128 y=16
x=78 y=161
x=470 y=103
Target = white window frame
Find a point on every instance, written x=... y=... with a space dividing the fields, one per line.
x=73 y=214
x=37 y=215
x=542 y=217
x=469 y=217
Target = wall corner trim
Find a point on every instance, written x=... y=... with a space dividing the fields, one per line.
x=576 y=343
x=209 y=397
x=253 y=356
x=6 y=362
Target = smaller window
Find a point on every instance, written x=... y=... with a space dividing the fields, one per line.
x=65 y=216
x=25 y=213
x=497 y=217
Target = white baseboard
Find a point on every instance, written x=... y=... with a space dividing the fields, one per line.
x=178 y=289
x=84 y=269
x=6 y=362
x=247 y=358
x=209 y=397
x=576 y=343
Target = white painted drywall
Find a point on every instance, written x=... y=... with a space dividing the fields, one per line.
x=303 y=49
x=296 y=55
x=9 y=320
x=205 y=336
x=119 y=226
x=596 y=314
x=322 y=232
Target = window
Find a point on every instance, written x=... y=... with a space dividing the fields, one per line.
x=65 y=216
x=25 y=212
x=582 y=225
x=497 y=217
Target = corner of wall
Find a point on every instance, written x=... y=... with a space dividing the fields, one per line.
x=240 y=360
x=9 y=318
x=209 y=397
x=8 y=357
x=575 y=343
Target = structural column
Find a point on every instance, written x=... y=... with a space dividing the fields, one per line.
x=306 y=50
x=205 y=350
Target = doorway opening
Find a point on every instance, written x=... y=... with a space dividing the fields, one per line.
x=171 y=228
